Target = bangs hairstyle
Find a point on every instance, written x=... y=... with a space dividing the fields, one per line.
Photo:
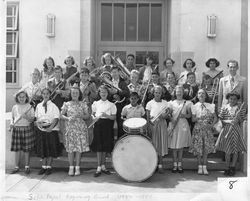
x=185 y=63
x=217 y=63
x=105 y=88
x=168 y=59
x=45 y=65
x=233 y=61
x=176 y=87
x=58 y=68
x=80 y=93
x=84 y=70
x=131 y=55
x=18 y=93
x=104 y=56
x=233 y=94
x=191 y=73
x=86 y=60
x=71 y=58
x=134 y=94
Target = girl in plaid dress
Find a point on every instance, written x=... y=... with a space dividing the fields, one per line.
x=23 y=139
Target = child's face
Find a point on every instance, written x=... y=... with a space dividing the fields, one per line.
x=75 y=94
x=208 y=82
x=84 y=77
x=58 y=74
x=46 y=95
x=107 y=60
x=157 y=93
x=103 y=93
x=155 y=78
x=21 y=98
x=191 y=79
x=89 y=63
x=68 y=62
x=169 y=64
x=170 y=78
x=232 y=100
x=130 y=60
x=133 y=100
x=115 y=74
x=35 y=76
x=201 y=95
x=179 y=92
x=189 y=65
x=212 y=65
x=49 y=63
x=149 y=61
x=134 y=78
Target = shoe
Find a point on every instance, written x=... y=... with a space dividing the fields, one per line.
x=105 y=171
x=180 y=170
x=27 y=171
x=71 y=171
x=200 y=169
x=226 y=172
x=42 y=171
x=174 y=170
x=15 y=170
x=231 y=171
x=204 y=169
x=97 y=173
x=77 y=171
x=48 y=171
x=160 y=171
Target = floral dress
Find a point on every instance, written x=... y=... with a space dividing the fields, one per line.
x=202 y=138
x=76 y=136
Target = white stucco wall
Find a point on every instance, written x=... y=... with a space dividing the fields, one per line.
x=188 y=32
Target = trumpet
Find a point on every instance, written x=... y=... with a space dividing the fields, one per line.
x=109 y=83
x=165 y=109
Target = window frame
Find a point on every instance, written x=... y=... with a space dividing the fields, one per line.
x=15 y=43
x=16 y=16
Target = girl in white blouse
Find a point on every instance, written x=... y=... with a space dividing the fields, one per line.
x=104 y=113
x=48 y=146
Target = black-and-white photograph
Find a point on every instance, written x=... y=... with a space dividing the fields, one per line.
x=124 y=100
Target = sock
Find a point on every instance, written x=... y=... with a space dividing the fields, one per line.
x=16 y=167
x=175 y=164
x=179 y=164
x=99 y=169
x=71 y=167
x=26 y=166
x=48 y=166
x=44 y=166
x=160 y=166
x=78 y=167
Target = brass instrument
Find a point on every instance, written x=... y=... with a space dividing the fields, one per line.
x=165 y=109
x=125 y=73
x=109 y=83
x=179 y=79
x=59 y=86
x=215 y=88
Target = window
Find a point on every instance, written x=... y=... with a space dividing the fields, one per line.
x=12 y=43
x=131 y=21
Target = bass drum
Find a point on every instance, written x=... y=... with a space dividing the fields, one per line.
x=134 y=158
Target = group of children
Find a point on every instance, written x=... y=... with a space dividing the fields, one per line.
x=179 y=114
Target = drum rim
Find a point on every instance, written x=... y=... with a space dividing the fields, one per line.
x=135 y=118
x=155 y=153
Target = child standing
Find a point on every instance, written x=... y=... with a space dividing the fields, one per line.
x=179 y=131
x=48 y=146
x=23 y=138
x=231 y=140
x=104 y=113
x=133 y=109
x=190 y=87
x=75 y=112
x=189 y=65
x=203 y=114
x=158 y=128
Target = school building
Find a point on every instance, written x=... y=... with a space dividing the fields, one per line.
x=197 y=29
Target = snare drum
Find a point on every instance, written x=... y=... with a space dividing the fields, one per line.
x=134 y=158
x=135 y=126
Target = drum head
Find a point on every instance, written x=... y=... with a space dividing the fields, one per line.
x=134 y=123
x=134 y=158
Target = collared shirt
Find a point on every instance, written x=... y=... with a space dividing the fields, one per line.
x=130 y=112
x=100 y=106
x=156 y=107
x=198 y=108
x=19 y=110
x=32 y=89
x=51 y=114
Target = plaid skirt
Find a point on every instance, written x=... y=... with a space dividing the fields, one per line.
x=23 y=139
x=47 y=144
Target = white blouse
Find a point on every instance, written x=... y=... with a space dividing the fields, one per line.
x=32 y=89
x=198 y=111
x=100 y=106
x=156 y=107
x=52 y=113
x=18 y=110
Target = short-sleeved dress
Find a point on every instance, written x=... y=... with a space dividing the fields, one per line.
x=76 y=136
x=180 y=136
x=159 y=129
x=203 y=133
x=103 y=140
x=234 y=141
